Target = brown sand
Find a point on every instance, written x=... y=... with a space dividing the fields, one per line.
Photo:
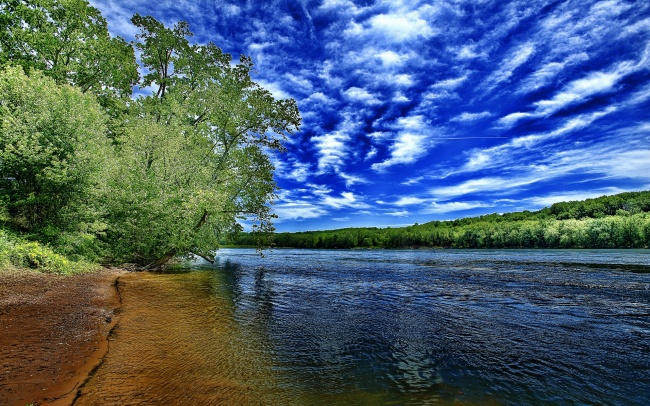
x=53 y=333
x=176 y=343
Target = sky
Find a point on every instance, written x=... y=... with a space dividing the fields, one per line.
x=416 y=111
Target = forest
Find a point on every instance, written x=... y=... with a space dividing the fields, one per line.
x=618 y=221
x=95 y=170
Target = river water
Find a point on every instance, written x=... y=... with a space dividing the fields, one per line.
x=492 y=327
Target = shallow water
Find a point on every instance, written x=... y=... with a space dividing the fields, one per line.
x=388 y=327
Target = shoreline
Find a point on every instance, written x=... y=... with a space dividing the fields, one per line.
x=54 y=332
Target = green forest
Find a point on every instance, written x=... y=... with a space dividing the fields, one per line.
x=618 y=221
x=91 y=172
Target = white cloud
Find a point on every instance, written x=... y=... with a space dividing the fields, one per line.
x=636 y=28
x=347 y=199
x=400 y=98
x=449 y=84
x=300 y=172
x=338 y=4
x=119 y=18
x=464 y=117
x=391 y=58
x=275 y=89
x=371 y=154
x=332 y=150
x=441 y=208
x=412 y=142
x=469 y=52
x=580 y=90
x=639 y=96
x=547 y=72
x=302 y=82
x=409 y=201
x=412 y=181
x=401 y=27
x=407 y=148
x=232 y=9
x=402 y=213
x=297 y=210
x=511 y=62
x=318 y=98
x=503 y=155
x=403 y=80
x=512 y=118
x=630 y=164
x=319 y=190
x=361 y=95
x=351 y=180
x=482 y=185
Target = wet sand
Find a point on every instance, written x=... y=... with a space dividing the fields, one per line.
x=126 y=338
x=176 y=343
x=53 y=333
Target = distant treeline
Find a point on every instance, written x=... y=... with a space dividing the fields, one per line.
x=618 y=221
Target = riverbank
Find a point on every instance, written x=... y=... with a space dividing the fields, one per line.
x=54 y=332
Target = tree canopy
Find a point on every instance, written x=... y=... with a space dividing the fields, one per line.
x=53 y=151
x=69 y=41
x=173 y=171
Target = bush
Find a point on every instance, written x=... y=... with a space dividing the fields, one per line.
x=18 y=253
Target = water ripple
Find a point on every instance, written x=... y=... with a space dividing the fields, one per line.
x=440 y=326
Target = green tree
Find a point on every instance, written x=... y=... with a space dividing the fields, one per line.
x=194 y=156
x=69 y=41
x=53 y=152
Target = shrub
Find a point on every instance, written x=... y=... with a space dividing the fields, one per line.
x=18 y=253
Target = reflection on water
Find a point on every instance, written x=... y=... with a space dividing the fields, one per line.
x=389 y=327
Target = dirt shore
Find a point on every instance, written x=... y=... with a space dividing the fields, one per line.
x=53 y=333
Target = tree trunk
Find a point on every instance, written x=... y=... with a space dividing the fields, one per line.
x=160 y=262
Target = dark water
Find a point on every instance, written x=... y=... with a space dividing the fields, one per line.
x=440 y=326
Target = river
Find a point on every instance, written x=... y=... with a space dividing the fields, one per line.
x=392 y=327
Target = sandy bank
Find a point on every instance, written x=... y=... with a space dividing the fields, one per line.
x=53 y=333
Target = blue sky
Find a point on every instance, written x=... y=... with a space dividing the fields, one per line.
x=428 y=110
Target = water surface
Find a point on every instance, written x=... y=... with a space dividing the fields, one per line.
x=523 y=327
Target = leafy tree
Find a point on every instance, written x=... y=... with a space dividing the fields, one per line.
x=53 y=152
x=69 y=41
x=194 y=156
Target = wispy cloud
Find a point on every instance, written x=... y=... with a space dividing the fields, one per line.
x=464 y=117
x=512 y=61
x=494 y=185
x=411 y=142
x=397 y=25
x=450 y=207
x=361 y=95
x=345 y=199
x=401 y=213
x=297 y=211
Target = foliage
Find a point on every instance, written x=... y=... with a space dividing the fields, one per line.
x=96 y=175
x=193 y=158
x=53 y=153
x=19 y=253
x=619 y=221
x=69 y=41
